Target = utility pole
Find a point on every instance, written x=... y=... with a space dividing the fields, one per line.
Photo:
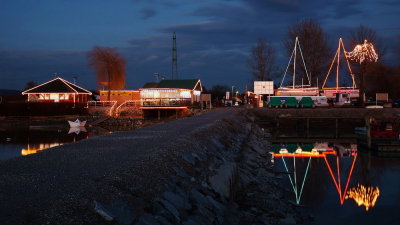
x=157 y=75
x=74 y=78
x=174 y=58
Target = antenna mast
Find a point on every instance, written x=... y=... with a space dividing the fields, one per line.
x=174 y=58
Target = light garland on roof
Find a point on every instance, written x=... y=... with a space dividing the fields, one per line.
x=363 y=52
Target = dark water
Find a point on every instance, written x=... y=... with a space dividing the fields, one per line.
x=20 y=141
x=344 y=185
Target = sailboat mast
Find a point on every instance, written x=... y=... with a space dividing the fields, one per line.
x=294 y=61
x=337 y=66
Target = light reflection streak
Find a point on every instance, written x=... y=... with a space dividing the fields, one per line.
x=42 y=146
x=337 y=181
x=362 y=195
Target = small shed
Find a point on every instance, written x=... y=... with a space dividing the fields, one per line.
x=57 y=90
x=119 y=95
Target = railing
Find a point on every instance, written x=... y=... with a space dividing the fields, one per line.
x=99 y=104
x=132 y=104
x=166 y=102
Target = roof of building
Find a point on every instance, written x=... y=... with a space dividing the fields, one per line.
x=57 y=85
x=150 y=85
x=191 y=84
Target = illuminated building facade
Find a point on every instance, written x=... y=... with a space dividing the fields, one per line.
x=57 y=90
x=171 y=93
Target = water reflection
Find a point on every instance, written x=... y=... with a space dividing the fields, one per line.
x=32 y=149
x=76 y=130
x=339 y=160
x=365 y=196
x=335 y=174
x=22 y=141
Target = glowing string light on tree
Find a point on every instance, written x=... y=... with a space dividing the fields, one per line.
x=363 y=52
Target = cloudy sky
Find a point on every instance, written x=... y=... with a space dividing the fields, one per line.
x=42 y=37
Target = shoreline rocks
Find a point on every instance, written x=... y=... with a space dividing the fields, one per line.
x=226 y=180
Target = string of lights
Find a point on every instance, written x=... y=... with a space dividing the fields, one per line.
x=363 y=52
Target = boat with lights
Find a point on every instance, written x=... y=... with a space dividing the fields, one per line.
x=305 y=89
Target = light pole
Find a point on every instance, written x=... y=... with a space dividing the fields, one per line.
x=232 y=93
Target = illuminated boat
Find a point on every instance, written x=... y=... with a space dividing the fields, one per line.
x=77 y=123
x=297 y=90
x=342 y=95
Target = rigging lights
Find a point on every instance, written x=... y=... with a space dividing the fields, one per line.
x=336 y=59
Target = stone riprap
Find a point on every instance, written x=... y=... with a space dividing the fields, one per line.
x=209 y=169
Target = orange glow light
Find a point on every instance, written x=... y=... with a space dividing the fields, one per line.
x=33 y=150
x=362 y=195
x=336 y=59
x=337 y=181
x=363 y=52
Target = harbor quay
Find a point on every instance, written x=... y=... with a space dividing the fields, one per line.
x=212 y=168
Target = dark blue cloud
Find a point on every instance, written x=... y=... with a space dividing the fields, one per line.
x=148 y=13
x=19 y=67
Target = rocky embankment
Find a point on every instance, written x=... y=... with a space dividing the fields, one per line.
x=226 y=177
x=121 y=123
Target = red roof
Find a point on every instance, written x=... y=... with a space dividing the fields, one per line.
x=57 y=85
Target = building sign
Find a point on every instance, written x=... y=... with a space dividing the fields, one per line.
x=263 y=87
x=384 y=97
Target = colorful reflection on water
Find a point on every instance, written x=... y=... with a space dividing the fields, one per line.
x=337 y=179
x=332 y=153
x=22 y=141
x=32 y=149
x=323 y=170
x=365 y=196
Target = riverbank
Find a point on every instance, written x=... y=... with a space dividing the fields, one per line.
x=106 y=122
x=353 y=113
x=208 y=169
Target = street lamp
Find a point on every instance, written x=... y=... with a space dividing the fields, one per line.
x=232 y=92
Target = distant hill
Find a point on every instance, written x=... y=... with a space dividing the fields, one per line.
x=9 y=92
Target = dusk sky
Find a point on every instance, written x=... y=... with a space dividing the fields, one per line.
x=43 y=37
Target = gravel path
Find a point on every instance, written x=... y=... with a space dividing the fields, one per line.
x=34 y=184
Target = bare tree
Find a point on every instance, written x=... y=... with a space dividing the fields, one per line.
x=109 y=66
x=262 y=59
x=314 y=45
x=358 y=36
x=30 y=84
x=397 y=49
x=361 y=33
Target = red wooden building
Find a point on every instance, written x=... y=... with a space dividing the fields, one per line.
x=57 y=90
